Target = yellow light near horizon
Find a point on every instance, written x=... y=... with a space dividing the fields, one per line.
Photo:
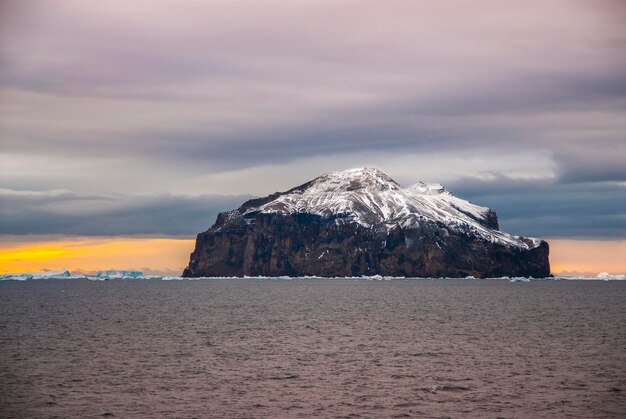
x=167 y=256
x=588 y=257
x=30 y=254
x=170 y=256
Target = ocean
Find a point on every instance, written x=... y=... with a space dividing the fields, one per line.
x=312 y=348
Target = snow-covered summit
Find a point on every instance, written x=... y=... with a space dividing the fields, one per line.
x=349 y=180
x=371 y=198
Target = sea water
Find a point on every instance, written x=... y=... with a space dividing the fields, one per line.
x=303 y=348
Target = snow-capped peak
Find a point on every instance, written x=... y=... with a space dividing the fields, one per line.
x=371 y=198
x=354 y=179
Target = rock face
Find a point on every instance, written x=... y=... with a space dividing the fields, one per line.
x=361 y=222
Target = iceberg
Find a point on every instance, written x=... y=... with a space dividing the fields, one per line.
x=115 y=274
x=608 y=277
x=23 y=276
x=51 y=274
x=15 y=277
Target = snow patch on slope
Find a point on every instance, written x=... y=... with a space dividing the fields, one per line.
x=369 y=197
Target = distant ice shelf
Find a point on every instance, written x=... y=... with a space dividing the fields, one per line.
x=138 y=275
x=23 y=276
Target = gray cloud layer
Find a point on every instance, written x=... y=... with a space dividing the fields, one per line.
x=548 y=209
x=127 y=100
x=62 y=212
x=530 y=208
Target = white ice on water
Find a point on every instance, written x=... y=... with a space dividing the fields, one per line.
x=23 y=276
x=115 y=274
x=608 y=277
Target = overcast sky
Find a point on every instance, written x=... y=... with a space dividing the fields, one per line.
x=148 y=117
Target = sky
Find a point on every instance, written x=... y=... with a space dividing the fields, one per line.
x=125 y=127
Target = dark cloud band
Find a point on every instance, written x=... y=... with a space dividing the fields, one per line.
x=530 y=208
x=92 y=215
x=544 y=208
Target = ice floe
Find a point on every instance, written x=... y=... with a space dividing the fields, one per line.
x=115 y=274
x=519 y=279
x=608 y=277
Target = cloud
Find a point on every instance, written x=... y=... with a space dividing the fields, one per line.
x=603 y=163
x=125 y=102
x=529 y=207
x=221 y=83
x=545 y=208
x=69 y=213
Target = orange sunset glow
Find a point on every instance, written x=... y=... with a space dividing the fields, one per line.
x=170 y=256
x=87 y=255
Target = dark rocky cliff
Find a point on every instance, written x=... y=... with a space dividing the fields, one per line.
x=269 y=237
